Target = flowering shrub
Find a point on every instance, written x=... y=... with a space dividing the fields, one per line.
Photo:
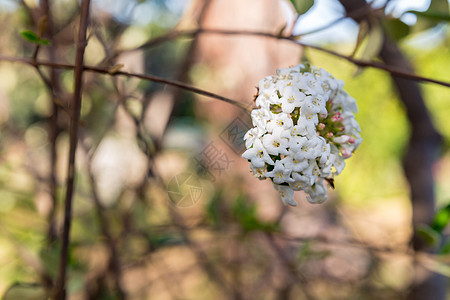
x=304 y=129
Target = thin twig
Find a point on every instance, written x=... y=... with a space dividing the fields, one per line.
x=354 y=14
x=295 y=39
x=52 y=123
x=60 y=286
x=324 y=27
x=128 y=74
x=114 y=259
x=373 y=64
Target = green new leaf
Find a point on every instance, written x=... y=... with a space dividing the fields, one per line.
x=429 y=235
x=44 y=42
x=30 y=36
x=441 y=219
x=302 y=6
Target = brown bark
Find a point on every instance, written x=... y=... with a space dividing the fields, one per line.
x=60 y=285
x=423 y=150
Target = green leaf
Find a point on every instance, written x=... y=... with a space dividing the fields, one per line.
x=302 y=6
x=395 y=28
x=25 y=291
x=429 y=235
x=44 y=42
x=30 y=36
x=441 y=219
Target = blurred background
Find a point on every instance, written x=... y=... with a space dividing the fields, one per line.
x=164 y=206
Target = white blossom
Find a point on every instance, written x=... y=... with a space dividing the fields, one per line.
x=258 y=155
x=296 y=165
x=286 y=194
x=276 y=142
x=280 y=174
x=251 y=135
x=279 y=120
x=317 y=193
x=291 y=98
x=311 y=149
x=304 y=129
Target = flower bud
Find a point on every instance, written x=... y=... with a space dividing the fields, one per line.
x=343 y=139
x=346 y=153
x=336 y=117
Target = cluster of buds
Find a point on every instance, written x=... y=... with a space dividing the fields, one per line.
x=304 y=128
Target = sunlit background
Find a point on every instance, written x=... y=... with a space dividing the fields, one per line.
x=222 y=234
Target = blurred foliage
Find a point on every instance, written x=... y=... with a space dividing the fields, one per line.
x=434 y=234
x=437 y=12
x=224 y=236
x=377 y=171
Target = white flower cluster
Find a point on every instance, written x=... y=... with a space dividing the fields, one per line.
x=304 y=128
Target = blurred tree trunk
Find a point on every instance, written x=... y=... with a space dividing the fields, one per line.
x=423 y=150
x=237 y=63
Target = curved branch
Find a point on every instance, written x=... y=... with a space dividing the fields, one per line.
x=113 y=72
x=295 y=39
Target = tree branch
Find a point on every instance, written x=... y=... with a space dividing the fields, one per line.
x=60 y=286
x=112 y=72
x=54 y=87
x=400 y=72
x=110 y=243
